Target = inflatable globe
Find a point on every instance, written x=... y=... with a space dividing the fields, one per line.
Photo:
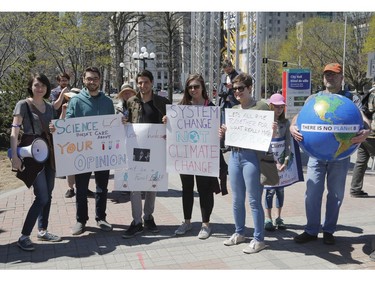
x=327 y=123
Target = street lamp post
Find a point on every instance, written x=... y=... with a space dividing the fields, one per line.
x=143 y=56
x=122 y=65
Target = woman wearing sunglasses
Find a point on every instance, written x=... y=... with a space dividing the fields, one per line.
x=244 y=175
x=195 y=93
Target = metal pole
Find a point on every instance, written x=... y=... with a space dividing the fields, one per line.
x=344 y=55
x=266 y=64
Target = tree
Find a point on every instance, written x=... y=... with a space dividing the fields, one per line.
x=323 y=42
x=69 y=42
x=169 y=27
x=369 y=45
x=122 y=26
x=16 y=61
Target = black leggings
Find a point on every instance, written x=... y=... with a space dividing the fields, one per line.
x=206 y=195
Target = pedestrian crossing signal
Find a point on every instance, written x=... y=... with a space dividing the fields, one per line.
x=285 y=64
x=265 y=60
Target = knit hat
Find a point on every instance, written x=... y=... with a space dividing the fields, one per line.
x=277 y=99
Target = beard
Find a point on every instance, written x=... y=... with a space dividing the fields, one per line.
x=92 y=87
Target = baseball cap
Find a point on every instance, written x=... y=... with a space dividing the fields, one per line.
x=334 y=67
x=276 y=99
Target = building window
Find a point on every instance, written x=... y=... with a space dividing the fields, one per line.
x=159 y=75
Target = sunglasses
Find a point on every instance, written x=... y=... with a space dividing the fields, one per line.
x=195 y=87
x=240 y=89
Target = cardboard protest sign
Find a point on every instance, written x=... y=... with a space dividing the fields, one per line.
x=193 y=144
x=87 y=144
x=145 y=168
x=248 y=128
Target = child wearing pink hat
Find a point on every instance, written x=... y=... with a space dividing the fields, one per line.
x=277 y=104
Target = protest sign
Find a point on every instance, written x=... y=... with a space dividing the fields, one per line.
x=87 y=144
x=248 y=128
x=145 y=166
x=193 y=145
x=293 y=172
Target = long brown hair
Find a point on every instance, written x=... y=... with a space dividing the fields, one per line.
x=186 y=99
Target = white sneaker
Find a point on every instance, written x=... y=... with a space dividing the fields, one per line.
x=254 y=247
x=205 y=232
x=234 y=240
x=183 y=228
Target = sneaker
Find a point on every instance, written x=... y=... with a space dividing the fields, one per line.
x=25 y=244
x=78 y=228
x=47 y=236
x=205 y=232
x=254 y=247
x=90 y=193
x=151 y=226
x=234 y=240
x=268 y=225
x=133 y=230
x=183 y=228
x=70 y=193
x=372 y=256
x=279 y=222
x=304 y=238
x=328 y=238
x=359 y=194
x=104 y=225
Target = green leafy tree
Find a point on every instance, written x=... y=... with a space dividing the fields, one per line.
x=16 y=61
x=69 y=42
x=323 y=42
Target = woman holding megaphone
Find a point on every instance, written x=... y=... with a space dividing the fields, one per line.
x=33 y=115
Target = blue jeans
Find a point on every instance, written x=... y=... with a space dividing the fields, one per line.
x=82 y=185
x=317 y=171
x=40 y=209
x=269 y=197
x=244 y=174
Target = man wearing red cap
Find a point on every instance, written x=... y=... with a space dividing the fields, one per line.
x=319 y=171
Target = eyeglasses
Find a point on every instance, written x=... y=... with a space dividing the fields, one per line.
x=240 y=89
x=92 y=79
x=195 y=87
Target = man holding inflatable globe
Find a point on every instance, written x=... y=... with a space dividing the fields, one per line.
x=329 y=129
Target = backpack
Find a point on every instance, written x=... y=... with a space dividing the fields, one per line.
x=365 y=108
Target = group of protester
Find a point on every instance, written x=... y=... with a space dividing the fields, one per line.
x=33 y=114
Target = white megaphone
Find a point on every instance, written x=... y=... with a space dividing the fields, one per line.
x=37 y=150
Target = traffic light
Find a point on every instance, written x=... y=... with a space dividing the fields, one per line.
x=285 y=64
x=265 y=60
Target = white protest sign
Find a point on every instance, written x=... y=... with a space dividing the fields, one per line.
x=145 y=167
x=293 y=172
x=248 y=128
x=88 y=144
x=193 y=145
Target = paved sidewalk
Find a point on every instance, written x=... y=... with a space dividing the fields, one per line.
x=99 y=250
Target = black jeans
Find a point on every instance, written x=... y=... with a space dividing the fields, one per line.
x=206 y=195
x=82 y=185
x=364 y=152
